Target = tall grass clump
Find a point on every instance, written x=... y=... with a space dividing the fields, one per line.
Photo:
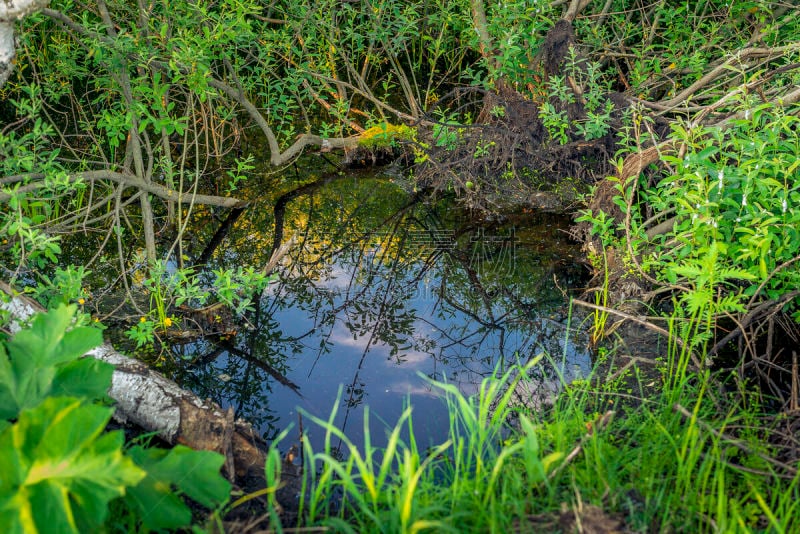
x=404 y=488
x=681 y=461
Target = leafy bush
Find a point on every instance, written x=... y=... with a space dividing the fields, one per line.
x=735 y=198
x=594 y=101
x=724 y=230
x=59 y=470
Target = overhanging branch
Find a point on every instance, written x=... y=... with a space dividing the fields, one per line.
x=277 y=157
x=124 y=179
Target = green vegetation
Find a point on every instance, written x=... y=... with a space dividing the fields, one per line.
x=503 y=468
x=127 y=122
x=61 y=471
x=668 y=464
x=169 y=290
x=385 y=135
x=721 y=230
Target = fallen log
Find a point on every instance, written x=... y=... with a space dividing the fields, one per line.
x=155 y=403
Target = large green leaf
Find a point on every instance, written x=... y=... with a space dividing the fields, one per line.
x=8 y=403
x=36 y=357
x=85 y=378
x=47 y=340
x=195 y=474
x=58 y=470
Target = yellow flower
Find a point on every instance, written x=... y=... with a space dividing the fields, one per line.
x=672 y=66
x=167 y=322
x=81 y=301
x=142 y=319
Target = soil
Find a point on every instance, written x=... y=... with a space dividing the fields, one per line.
x=580 y=518
x=506 y=159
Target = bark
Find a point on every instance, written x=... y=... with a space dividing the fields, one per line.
x=37 y=181
x=10 y=11
x=574 y=9
x=148 y=399
x=485 y=45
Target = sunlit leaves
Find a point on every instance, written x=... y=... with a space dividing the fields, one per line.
x=734 y=196
x=44 y=359
x=170 y=474
x=59 y=470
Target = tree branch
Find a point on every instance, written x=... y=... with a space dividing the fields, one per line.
x=716 y=72
x=575 y=7
x=277 y=157
x=124 y=179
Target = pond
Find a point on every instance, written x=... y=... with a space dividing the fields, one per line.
x=381 y=291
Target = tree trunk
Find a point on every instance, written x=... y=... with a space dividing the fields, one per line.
x=148 y=399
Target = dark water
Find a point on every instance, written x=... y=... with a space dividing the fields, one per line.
x=380 y=290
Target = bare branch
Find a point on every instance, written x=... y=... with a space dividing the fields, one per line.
x=574 y=9
x=276 y=156
x=124 y=179
x=737 y=58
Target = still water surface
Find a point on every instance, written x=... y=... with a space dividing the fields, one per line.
x=379 y=291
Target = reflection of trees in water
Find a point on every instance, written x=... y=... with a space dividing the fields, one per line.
x=232 y=381
x=393 y=272
x=384 y=281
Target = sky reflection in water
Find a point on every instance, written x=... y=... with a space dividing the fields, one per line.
x=379 y=290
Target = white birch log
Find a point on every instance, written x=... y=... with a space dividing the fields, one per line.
x=148 y=399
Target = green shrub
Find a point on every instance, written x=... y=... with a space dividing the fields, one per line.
x=730 y=211
x=59 y=470
x=735 y=198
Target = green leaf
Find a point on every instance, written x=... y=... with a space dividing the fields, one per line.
x=34 y=357
x=193 y=473
x=86 y=378
x=7 y=399
x=59 y=470
x=707 y=152
x=48 y=341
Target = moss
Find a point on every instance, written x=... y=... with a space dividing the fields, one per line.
x=386 y=135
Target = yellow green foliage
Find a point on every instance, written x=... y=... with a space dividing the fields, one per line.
x=386 y=134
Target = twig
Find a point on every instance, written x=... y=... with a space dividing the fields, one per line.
x=735 y=442
x=632 y=360
x=126 y=179
x=646 y=324
x=754 y=314
x=627 y=316
x=793 y=402
x=278 y=255
x=598 y=425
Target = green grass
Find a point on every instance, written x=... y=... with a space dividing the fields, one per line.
x=664 y=464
